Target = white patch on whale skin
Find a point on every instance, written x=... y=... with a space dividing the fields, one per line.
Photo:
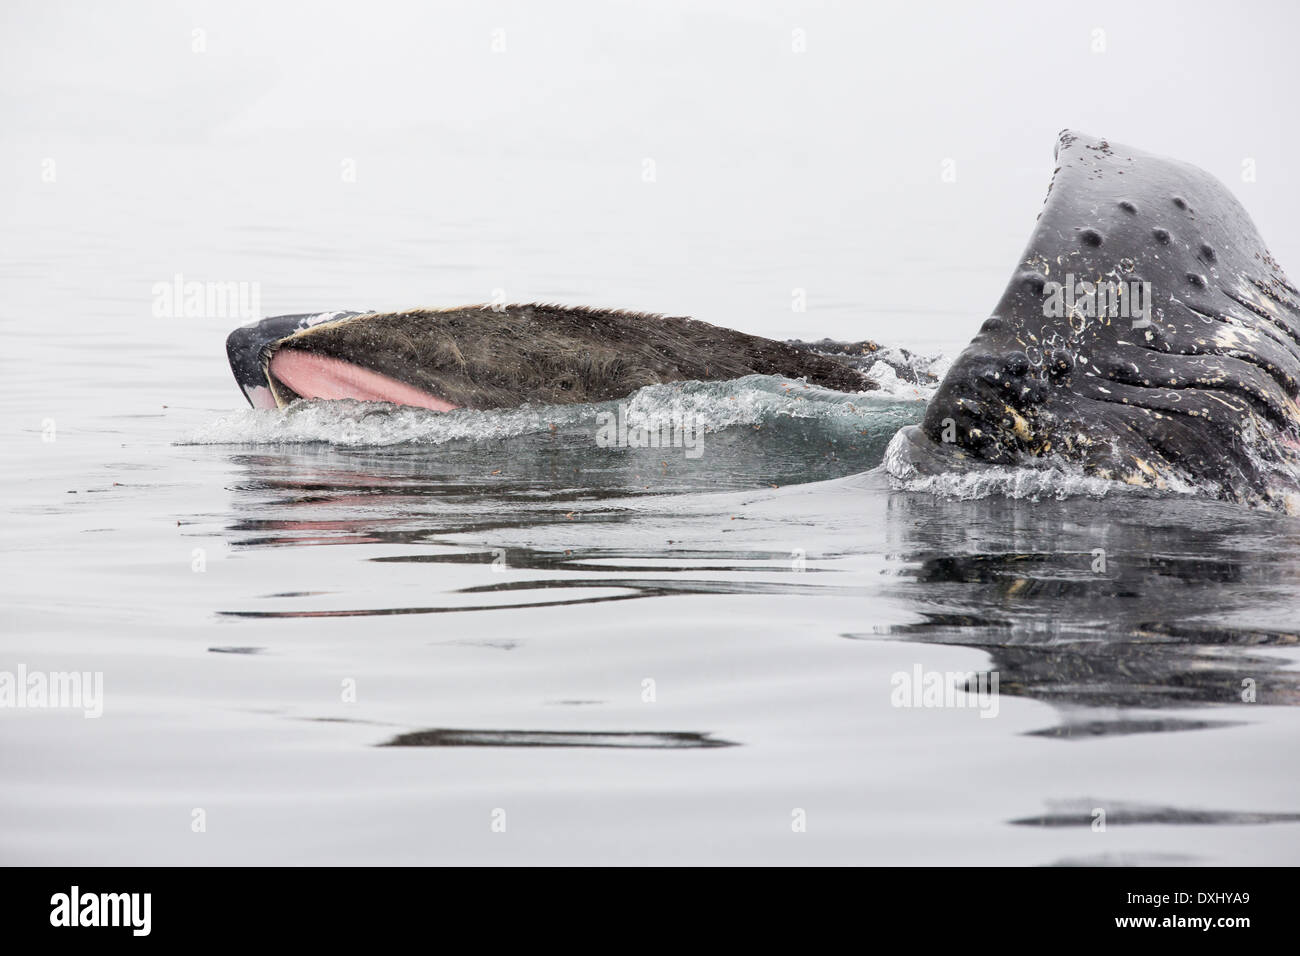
x=314 y=320
x=1232 y=338
x=259 y=396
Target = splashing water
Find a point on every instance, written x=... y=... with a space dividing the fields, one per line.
x=756 y=401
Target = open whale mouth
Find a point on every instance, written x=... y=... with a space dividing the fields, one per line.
x=271 y=372
x=295 y=374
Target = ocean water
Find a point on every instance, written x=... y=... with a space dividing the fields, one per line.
x=348 y=633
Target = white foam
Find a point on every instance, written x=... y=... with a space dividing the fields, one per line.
x=1051 y=478
x=751 y=401
x=1033 y=484
x=894 y=387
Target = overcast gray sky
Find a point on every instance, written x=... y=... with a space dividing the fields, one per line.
x=839 y=116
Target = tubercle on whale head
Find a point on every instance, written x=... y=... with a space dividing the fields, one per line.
x=1010 y=401
x=993 y=408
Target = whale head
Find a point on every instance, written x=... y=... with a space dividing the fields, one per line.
x=250 y=348
x=1146 y=336
x=285 y=357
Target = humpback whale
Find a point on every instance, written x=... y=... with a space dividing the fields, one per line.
x=500 y=356
x=1146 y=336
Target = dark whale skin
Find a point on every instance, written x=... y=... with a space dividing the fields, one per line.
x=500 y=356
x=1203 y=396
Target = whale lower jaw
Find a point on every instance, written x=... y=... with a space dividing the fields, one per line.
x=294 y=374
